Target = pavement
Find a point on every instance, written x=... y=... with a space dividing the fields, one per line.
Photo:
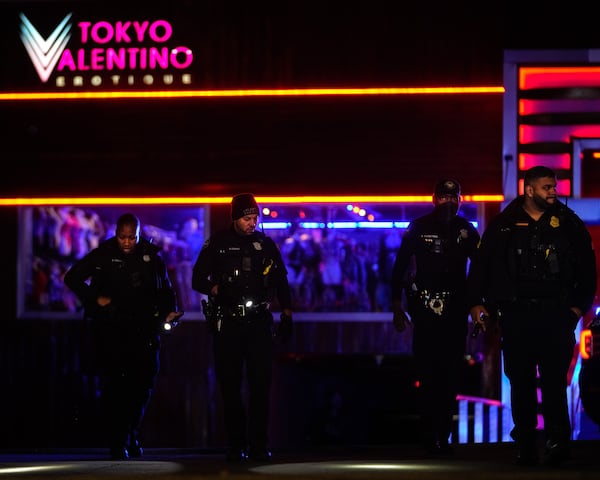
x=469 y=461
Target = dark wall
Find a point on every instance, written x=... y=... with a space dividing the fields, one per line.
x=329 y=145
x=51 y=398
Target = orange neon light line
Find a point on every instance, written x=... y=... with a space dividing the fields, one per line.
x=32 y=201
x=291 y=92
x=585 y=340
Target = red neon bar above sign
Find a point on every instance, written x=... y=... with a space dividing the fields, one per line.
x=276 y=200
x=287 y=92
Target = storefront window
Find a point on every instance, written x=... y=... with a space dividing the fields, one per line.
x=339 y=257
x=52 y=238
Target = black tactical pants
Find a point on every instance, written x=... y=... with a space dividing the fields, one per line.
x=439 y=343
x=129 y=377
x=244 y=346
x=538 y=336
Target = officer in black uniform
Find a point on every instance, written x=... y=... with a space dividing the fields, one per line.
x=429 y=276
x=126 y=292
x=242 y=272
x=535 y=270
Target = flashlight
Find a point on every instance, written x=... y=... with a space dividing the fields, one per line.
x=168 y=326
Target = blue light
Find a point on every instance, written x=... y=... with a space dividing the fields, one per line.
x=310 y=225
x=275 y=225
x=401 y=224
x=350 y=225
x=375 y=225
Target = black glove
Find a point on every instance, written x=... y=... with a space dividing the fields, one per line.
x=480 y=326
x=285 y=327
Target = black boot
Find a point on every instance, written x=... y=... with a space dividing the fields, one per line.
x=235 y=455
x=527 y=455
x=259 y=454
x=135 y=449
x=119 y=453
x=556 y=453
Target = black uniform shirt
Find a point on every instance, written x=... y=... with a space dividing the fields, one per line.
x=522 y=258
x=244 y=267
x=137 y=284
x=440 y=252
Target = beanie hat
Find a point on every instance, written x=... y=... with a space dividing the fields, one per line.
x=447 y=187
x=242 y=205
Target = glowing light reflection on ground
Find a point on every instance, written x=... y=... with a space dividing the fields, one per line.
x=348 y=466
x=73 y=468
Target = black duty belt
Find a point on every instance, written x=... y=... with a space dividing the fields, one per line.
x=239 y=311
x=435 y=301
x=537 y=303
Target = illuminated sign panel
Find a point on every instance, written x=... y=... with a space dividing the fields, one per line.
x=552 y=117
x=558 y=108
x=76 y=47
x=97 y=50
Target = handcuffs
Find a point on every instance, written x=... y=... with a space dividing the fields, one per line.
x=432 y=300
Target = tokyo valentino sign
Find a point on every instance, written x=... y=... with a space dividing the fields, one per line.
x=95 y=53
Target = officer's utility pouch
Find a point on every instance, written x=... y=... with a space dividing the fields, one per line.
x=213 y=315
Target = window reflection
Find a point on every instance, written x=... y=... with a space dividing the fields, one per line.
x=55 y=237
x=339 y=257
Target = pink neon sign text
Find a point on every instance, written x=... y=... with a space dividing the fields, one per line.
x=96 y=57
x=103 y=32
x=122 y=58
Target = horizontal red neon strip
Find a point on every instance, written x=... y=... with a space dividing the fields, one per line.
x=529 y=107
x=275 y=200
x=557 y=77
x=563 y=187
x=292 y=92
x=485 y=401
x=556 y=133
x=559 y=161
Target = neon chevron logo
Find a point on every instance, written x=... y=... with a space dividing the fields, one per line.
x=45 y=52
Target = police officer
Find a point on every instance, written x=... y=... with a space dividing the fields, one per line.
x=429 y=276
x=535 y=270
x=242 y=272
x=126 y=292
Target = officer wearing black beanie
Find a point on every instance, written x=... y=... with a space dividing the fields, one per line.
x=242 y=205
x=242 y=272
